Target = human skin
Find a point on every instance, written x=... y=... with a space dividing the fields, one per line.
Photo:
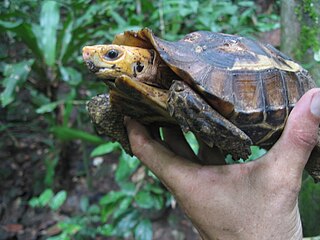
x=255 y=200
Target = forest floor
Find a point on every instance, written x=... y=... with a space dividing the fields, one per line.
x=22 y=172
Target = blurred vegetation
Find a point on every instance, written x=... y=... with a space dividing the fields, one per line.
x=45 y=85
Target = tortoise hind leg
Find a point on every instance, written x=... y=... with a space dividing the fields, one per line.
x=194 y=114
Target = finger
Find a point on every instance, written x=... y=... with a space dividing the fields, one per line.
x=173 y=170
x=299 y=137
x=176 y=141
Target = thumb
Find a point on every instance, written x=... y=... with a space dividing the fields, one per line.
x=292 y=151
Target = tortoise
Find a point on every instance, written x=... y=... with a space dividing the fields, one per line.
x=230 y=91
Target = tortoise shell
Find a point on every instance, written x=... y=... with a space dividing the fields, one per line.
x=253 y=85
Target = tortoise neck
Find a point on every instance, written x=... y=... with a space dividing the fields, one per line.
x=165 y=75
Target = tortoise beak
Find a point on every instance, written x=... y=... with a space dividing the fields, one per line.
x=91 y=66
x=87 y=53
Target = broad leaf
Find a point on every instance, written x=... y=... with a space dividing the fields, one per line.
x=316 y=56
x=67 y=36
x=58 y=199
x=127 y=223
x=26 y=33
x=105 y=230
x=144 y=199
x=45 y=197
x=15 y=74
x=46 y=108
x=111 y=197
x=49 y=22
x=127 y=165
x=143 y=230
x=105 y=149
x=68 y=134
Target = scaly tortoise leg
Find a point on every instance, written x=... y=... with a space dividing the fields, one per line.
x=195 y=115
x=128 y=97
x=108 y=121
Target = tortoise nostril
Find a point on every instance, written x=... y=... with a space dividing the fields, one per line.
x=85 y=55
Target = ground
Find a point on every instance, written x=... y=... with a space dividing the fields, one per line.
x=22 y=172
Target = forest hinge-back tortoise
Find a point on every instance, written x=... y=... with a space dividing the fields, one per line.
x=230 y=91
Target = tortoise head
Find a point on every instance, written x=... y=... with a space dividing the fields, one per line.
x=111 y=61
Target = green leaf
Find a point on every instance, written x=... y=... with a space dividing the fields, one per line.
x=62 y=236
x=68 y=134
x=309 y=199
x=105 y=149
x=70 y=75
x=46 y=108
x=154 y=188
x=67 y=36
x=127 y=165
x=128 y=188
x=111 y=197
x=191 y=139
x=45 y=197
x=50 y=162
x=117 y=17
x=88 y=16
x=158 y=201
x=49 y=22
x=70 y=227
x=10 y=25
x=57 y=201
x=94 y=209
x=26 y=33
x=143 y=230
x=105 y=230
x=144 y=199
x=316 y=56
x=84 y=204
x=127 y=223
x=256 y=152
x=38 y=99
x=15 y=75
x=107 y=211
x=34 y=202
x=122 y=207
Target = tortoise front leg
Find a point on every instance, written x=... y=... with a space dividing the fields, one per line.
x=195 y=115
x=108 y=121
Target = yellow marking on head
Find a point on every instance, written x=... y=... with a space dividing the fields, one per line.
x=111 y=61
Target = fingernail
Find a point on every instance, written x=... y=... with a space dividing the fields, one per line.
x=315 y=104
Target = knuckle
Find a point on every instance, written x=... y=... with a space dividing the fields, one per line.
x=304 y=138
x=138 y=146
x=137 y=141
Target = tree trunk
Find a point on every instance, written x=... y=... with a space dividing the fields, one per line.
x=300 y=33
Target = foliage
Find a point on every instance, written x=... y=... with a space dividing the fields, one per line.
x=41 y=60
x=256 y=152
x=48 y=198
x=309 y=207
x=309 y=35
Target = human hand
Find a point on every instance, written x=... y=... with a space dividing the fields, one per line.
x=255 y=200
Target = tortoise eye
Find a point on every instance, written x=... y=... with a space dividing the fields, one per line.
x=112 y=54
